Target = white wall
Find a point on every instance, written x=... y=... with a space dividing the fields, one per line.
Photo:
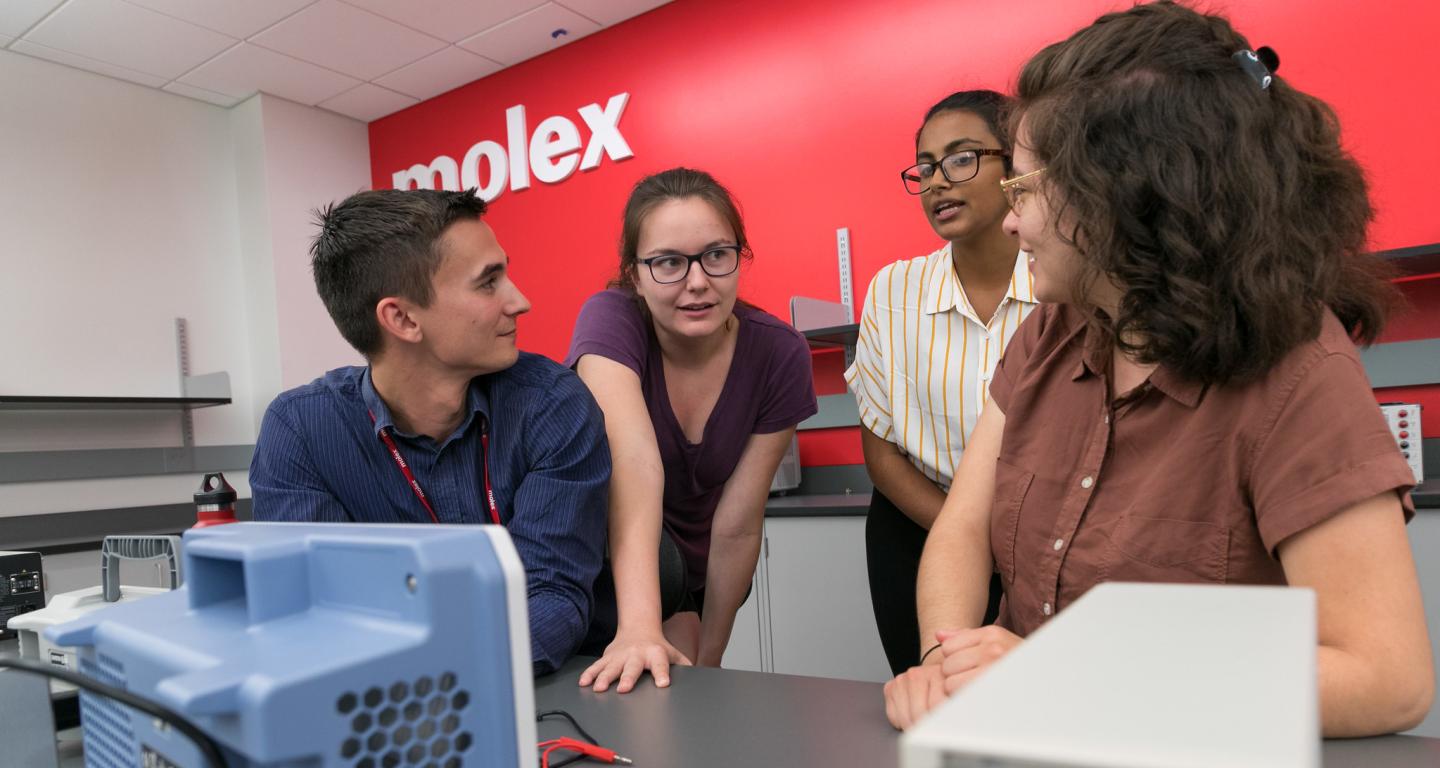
x=247 y=128
x=124 y=207
x=312 y=158
x=118 y=214
x=292 y=160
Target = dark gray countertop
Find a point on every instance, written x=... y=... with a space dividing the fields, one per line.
x=726 y=718
x=819 y=505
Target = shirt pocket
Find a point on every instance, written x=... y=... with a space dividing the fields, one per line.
x=1152 y=549
x=1011 y=485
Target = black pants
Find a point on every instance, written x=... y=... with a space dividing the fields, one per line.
x=893 y=543
x=676 y=596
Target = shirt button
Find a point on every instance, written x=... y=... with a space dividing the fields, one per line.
x=1107 y=418
x=1046 y=609
x=1087 y=482
x=1059 y=543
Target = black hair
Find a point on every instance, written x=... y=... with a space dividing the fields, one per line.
x=989 y=106
x=378 y=244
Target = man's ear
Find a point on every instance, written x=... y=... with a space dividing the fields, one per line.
x=395 y=318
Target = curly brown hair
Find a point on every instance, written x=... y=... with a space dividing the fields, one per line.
x=1228 y=213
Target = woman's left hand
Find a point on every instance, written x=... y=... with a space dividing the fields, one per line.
x=969 y=652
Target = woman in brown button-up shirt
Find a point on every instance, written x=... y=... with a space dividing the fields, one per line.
x=1189 y=405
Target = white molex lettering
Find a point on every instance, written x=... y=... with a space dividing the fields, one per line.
x=494 y=155
x=515 y=132
x=551 y=153
x=605 y=131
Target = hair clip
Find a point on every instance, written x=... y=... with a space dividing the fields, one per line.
x=1259 y=64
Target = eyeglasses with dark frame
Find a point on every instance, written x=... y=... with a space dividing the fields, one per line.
x=956 y=167
x=716 y=261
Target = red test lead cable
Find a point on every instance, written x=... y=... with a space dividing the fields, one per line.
x=588 y=750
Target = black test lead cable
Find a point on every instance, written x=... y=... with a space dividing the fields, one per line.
x=207 y=746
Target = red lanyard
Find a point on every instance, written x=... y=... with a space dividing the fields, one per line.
x=415 y=484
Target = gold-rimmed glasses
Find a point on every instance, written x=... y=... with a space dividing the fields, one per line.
x=1015 y=188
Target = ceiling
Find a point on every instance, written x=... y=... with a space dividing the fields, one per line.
x=360 y=58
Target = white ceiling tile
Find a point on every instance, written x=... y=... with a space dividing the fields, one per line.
x=609 y=12
x=246 y=68
x=439 y=72
x=450 y=21
x=347 y=39
x=235 y=18
x=368 y=102
x=531 y=34
x=80 y=62
x=127 y=35
x=218 y=99
x=16 y=16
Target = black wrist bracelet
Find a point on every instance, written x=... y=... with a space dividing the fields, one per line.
x=927 y=653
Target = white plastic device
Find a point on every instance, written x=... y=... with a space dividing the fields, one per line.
x=1404 y=422
x=1152 y=675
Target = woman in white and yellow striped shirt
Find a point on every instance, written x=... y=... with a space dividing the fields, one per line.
x=931 y=332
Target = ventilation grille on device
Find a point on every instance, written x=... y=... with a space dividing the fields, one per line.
x=410 y=723
x=108 y=736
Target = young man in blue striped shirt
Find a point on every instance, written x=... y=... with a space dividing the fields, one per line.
x=449 y=422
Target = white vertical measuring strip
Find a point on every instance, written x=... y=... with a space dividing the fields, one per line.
x=847 y=291
x=182 y=351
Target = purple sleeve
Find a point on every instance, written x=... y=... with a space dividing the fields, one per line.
x=789 y=396
x=610 y=326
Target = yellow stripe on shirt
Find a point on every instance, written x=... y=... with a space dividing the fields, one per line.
x=946 y=405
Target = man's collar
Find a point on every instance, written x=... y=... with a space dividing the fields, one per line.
x=476 y=402
x=379 y=411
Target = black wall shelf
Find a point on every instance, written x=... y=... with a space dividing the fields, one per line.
x=1415 y=260
x=834 y=336
x=54 y=403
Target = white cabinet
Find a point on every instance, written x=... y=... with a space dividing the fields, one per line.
x=744 y=650
x=1424 y=531
x=810 y=613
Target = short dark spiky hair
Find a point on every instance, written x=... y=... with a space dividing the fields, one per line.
x=382 y=243
x=1229 y=212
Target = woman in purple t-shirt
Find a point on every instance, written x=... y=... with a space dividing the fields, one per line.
x=701 y=396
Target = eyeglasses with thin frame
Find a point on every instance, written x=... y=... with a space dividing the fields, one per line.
x=716 y=261
x=956 y=167
x=1015 y=191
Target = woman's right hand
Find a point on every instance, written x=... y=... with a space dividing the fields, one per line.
x=628 y=656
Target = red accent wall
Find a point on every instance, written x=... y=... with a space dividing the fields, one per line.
x=807 y=109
